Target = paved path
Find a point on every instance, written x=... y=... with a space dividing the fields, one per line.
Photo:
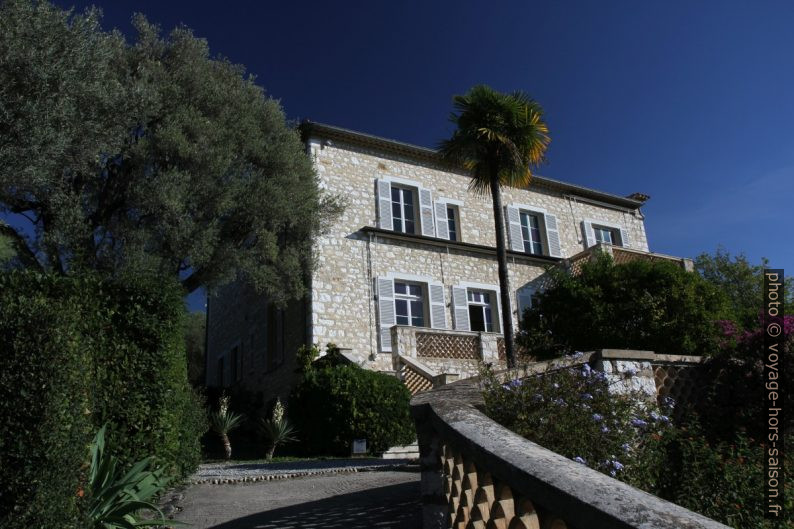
x=381 y=499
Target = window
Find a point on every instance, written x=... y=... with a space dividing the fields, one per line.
x=530 y=233
x=402 y=208
x=480 y=311
x=594 y=232
x=532 y=230
x=452 y=223
x=409 y=304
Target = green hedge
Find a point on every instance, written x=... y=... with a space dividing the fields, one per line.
x=332 y=406
x=79 y=352
x=44 y=399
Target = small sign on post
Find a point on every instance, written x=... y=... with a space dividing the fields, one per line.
x=359 y=446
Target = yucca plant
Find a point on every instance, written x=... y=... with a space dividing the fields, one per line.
x=224 y=421
x=277 y=429
x=116 y=499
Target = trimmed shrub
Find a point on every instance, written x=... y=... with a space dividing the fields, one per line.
x=655 y=306
x=334 y=405
x=80 y=352
x=45 y=422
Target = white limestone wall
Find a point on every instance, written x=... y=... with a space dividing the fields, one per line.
x=343 y=304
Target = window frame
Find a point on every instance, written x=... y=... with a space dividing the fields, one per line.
x=410 y=299
x=541 y=229
x=402 y=191
x=486 y=307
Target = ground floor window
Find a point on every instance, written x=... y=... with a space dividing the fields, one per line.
x=481 y=310
x=409 y=305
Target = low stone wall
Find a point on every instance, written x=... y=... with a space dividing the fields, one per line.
x=476 y=473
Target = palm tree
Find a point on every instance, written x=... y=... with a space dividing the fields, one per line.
x=498 y=137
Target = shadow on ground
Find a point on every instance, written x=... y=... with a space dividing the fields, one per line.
x=392 y=507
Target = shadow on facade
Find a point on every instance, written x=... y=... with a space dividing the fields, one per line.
x=392 y=507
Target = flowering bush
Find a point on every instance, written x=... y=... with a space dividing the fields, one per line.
x=572 y=412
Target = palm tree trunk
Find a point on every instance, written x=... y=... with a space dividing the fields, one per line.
x=271 y=449
x=501 y=258
x=227 y=445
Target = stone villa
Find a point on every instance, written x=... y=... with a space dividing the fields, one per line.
x=407 y=277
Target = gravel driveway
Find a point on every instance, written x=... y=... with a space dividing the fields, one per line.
x=374 y=499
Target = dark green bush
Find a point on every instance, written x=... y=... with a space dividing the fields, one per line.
x=722 y=480
x=45 y=422
x=79 y=352
x=334 y=405
x=655 y=306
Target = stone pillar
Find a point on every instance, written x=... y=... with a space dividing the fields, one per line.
x=489 y=350
x=435 y=512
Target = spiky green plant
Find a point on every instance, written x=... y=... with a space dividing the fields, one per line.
x=116 y=499
x=277 y=429
x=224 y=421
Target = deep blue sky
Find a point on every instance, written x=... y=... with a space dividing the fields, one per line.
x=689 y=102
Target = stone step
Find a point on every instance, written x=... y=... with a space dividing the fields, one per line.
x=410 y=451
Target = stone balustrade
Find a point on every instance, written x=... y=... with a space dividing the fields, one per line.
x=478 y=474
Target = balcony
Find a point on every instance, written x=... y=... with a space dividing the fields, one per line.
x=622 y=255
x=426 y=358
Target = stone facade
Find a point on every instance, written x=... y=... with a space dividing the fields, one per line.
x=361 y=254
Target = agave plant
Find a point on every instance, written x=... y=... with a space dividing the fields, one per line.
x=224 y=421
x=117 y=498
x=277 y=429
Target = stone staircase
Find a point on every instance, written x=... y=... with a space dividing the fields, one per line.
x=410 y=451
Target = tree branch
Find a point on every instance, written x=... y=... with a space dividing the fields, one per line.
x=192 y=282
x=24 y=253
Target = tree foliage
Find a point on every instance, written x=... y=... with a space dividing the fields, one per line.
x=148 y=156
x=654 y=306
x=742 y=282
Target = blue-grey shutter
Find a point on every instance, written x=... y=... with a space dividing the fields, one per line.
x=553 y=235
x=442 y=227
x=515 y=240
x=426 y=213
x=438 y=318
x=460 y=308
x=384 y=205
x=588 y=235
x=624 y=238
x=386 y=320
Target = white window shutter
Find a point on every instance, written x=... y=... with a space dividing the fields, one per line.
x=553 y=235
x=588 y=234
x=386 y=320
x=384 y=205
x=624 y=238
x=516 y=241
x=438 y=318
x=460 y=308
x=426 y=213
x=442 y=227
x=524 y=301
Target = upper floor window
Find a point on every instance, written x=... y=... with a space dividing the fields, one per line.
x=530 y=233
x=452 y=223
x=606 y=235
x=409 y=304
x=595 y=232
x=532 y=230
x=402 y=208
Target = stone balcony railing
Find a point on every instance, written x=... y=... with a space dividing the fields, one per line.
x=478 y=474
x=622 y=255
x=425 y=358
